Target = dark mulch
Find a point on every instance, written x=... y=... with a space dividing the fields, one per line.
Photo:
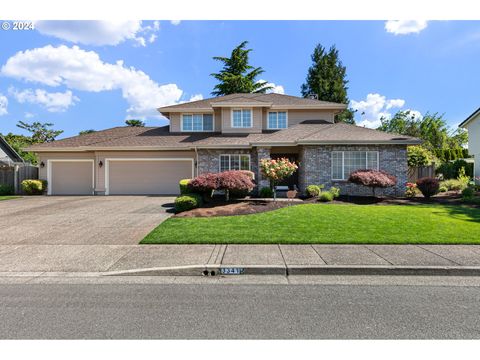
x=234 y=207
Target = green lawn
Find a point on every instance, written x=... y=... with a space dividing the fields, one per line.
x=5 y=197
x=329 y=224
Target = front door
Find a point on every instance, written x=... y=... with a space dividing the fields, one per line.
x=291 y=181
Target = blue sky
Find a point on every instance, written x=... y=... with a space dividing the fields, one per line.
x=94 y=75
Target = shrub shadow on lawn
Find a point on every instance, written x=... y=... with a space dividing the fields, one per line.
x=465 y=213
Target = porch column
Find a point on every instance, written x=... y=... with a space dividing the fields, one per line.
x=262 y=153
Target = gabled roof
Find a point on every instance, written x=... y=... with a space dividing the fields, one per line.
x=279 y=101
x=11 y=153
x=472 y=116
x=159 y=138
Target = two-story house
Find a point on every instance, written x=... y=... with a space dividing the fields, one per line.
x=218 y=134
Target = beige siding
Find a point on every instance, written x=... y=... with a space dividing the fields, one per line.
x=128 y=177
x=227 y=122
x=70 y=177
x=297 y=116
x=176 y=118
x=43 y=157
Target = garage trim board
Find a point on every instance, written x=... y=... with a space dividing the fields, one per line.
x=49 y=171
x=108 y=160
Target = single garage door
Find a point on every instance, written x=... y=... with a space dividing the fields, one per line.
x=147 y=176
x=70 y=177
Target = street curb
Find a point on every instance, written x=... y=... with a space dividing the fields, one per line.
x=237 y=270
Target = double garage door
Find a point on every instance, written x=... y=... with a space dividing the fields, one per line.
x=122 y=176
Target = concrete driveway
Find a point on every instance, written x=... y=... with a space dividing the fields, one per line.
x=81 y=220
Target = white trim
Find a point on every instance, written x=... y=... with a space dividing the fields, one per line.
x=276 y=111
x=343 y=161
x=241 y=109
x=107 y=166
x=199 y=131
x=230 y=161
x=49 y=172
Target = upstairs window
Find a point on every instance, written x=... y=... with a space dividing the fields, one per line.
x=234 y=162
x=277 y=120
x=242 y=118
x=346 y=162
x=197 y=122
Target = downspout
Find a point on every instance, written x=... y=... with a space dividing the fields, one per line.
x=196 y=162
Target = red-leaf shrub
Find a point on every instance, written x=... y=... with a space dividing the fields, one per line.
x=235 y=182
x=428 y=186
x=372 y=178
x=204 y=183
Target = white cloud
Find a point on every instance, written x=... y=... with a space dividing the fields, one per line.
x=376 y=106
x=404 y=27
x=98 y=32
x=29 y=115
x=82 y=70
x=53 y=102
x=196 y=97
x=276 y=89
x=175 y=22
x=3 y=105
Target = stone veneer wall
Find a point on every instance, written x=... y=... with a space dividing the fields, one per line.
x=209 y=160
x=316 y=167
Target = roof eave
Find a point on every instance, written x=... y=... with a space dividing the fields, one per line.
x=472 y=117
x=360 y=142
x=311 y=107
x=183 y=109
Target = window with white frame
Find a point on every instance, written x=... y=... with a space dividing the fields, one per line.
x=242 y=118
x=345 y=162
x=197 y=122
x=234 y=162
x=277 y=120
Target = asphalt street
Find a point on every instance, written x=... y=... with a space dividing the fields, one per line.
x=238 y=311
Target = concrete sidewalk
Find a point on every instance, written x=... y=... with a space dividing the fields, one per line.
x=248 y=259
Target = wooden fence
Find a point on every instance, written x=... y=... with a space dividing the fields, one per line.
x=415 y=173
x=14 y=175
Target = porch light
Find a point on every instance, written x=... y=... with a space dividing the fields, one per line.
x=100 y=163
x=42 y=164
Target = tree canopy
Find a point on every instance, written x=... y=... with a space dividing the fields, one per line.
x=135 y=123
x=41 y=132
x=237 y=75
x=84 y=132
x=326 y=78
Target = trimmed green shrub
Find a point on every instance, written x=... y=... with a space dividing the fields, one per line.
x=428 y=186
x=313 y=190
x=335 y=191
x=326 y=196
x=183 y=184
x=468 y=193
x=265 y=192
x=187 y=202
x=6 y=190
x=442 y=188
x=34 y=187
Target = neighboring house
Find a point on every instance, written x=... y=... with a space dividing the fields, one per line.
x=224 y=133
x=8 y=156
x=472 y=124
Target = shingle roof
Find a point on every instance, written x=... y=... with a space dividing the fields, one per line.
x=273 y=99
x=161 y=138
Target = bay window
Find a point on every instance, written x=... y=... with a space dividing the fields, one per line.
x=234 y=162
x=345 y=162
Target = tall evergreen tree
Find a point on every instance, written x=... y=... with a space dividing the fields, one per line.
x=41 y=133
x=237 y=75
x=327 y=78
x=135 y=123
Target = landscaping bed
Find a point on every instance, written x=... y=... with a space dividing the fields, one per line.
x=8 y=197
x=328 y=224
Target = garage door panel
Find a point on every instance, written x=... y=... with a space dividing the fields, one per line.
x=147 y=177
x=71 y=178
